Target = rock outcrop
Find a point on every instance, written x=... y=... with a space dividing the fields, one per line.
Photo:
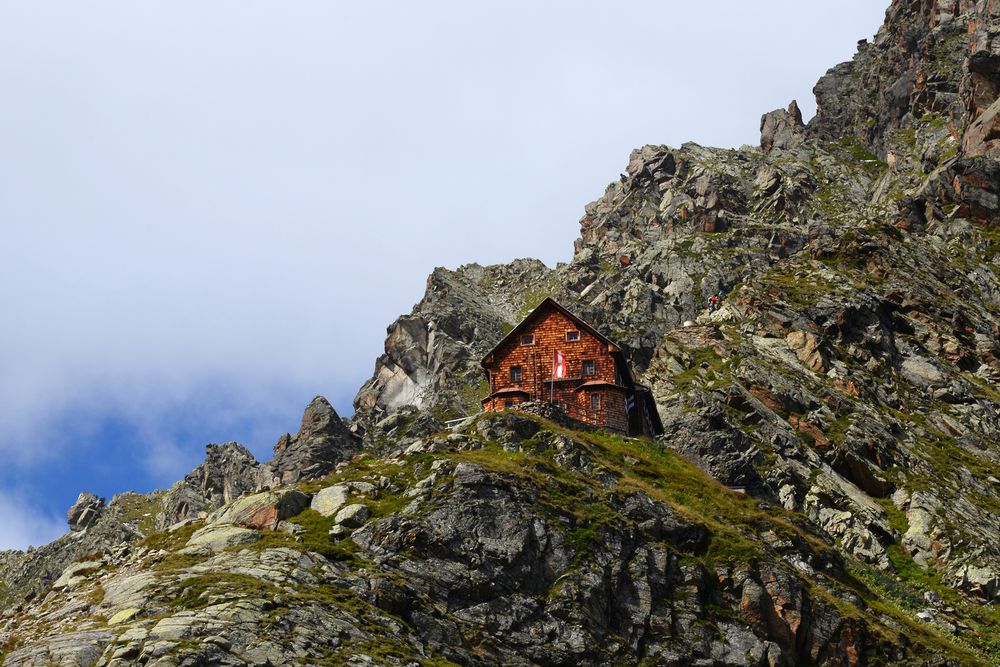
x=122 y=522
x=781 y=129
x=229 y=471
x=919 y=63
x=84 y=511
x=432 y=355
x=322 y=442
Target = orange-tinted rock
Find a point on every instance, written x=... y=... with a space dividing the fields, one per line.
x=806 y=347
x=983 y=136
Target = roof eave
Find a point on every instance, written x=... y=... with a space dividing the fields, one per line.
x=613 y=347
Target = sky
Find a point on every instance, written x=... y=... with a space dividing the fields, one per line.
x=210 y=212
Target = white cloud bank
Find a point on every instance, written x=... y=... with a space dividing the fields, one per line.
x=24 y=525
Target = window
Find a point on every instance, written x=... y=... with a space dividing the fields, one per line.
x=595 y=402
x=516 y=374
x=507 y=405
x=528 y=339
x=590 y=367
x=572 y=336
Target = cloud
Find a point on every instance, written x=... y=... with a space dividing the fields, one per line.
x=23 y=524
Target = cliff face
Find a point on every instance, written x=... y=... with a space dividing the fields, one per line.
x=847 y=390
x=935 y=57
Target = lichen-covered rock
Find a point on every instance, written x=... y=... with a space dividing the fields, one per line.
x=219 y=537
x=352 y=516
x=918 y=64
x=542 y=546
x=328 y=501
x=77 y=649
x=73 y=574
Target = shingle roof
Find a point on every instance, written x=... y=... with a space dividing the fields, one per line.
x=548 y=303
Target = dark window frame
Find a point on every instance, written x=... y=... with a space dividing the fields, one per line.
x=527 y=339
x=595 y=402
x=517 y=374
x=592 y=365
x=573 y=336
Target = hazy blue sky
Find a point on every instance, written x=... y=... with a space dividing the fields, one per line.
x=212 y=210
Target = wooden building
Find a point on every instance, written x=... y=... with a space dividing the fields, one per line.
x=554 y=356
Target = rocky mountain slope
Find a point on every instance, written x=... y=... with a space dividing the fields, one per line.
x=827 y=490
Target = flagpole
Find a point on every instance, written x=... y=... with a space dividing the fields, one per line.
x=552 y=391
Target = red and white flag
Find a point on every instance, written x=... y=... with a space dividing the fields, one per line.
x=558 y=365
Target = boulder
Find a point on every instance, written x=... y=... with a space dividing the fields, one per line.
x=849 y=515
x=84 y=512
x=353 y=516
x=129 y=590
x=124 y=616
x=921 y=539
x=76 y=573
x=262 y=511
x=980 y=580
x=328 y=501
x=922 y=372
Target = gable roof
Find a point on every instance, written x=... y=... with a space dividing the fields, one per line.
x=547 y=304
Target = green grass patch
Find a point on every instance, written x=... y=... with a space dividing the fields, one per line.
x=170 y=540
x=899 y=595
x=204 y=589
x=471 y=396
x=139 y=510
x=96 y=595
x=851 y=151
x=316 y=538
x=178 y=561
x=531 y=298
x=836 y=430
x=982 y=388
x=733 y=519
x=704 y=365
x=381 y=503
